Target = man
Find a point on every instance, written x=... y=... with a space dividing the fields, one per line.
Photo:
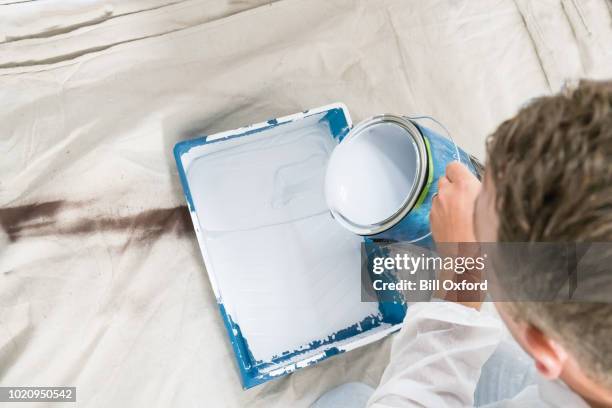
x=548 y=178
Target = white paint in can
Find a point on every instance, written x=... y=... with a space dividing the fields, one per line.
x=374 y=174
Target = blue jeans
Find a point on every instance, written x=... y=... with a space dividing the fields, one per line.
x=349 y=395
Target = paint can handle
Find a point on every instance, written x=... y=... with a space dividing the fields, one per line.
x=447 y=133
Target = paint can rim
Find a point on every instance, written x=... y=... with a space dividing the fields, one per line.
x=420 y=177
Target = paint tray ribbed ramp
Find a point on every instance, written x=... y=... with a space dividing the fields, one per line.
x=286 y=276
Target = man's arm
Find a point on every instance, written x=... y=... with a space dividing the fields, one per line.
x=452 y=227
x=437 y=356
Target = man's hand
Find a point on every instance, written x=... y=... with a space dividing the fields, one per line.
x=452 y=222
x=452 y=209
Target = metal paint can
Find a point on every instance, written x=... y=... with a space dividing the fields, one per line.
x=380 y=180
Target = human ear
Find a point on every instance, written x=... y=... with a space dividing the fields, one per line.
x=550 y=357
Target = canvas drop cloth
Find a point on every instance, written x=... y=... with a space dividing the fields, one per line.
x=102 y=285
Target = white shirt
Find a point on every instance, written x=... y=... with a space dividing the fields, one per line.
x=436 y=360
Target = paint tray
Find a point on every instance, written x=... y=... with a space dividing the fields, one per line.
x=285 y=275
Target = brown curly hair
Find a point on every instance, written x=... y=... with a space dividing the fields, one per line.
x=551 y=168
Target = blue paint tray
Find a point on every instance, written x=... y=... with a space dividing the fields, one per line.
x=285 y=275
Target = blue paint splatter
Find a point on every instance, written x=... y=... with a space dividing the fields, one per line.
x=254 y=372
x=338 y=124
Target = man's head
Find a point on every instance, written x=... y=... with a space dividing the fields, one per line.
x=549 y=179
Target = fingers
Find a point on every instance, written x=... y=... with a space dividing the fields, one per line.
x=457 y=182
x=442 y=181
x=456 y=171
